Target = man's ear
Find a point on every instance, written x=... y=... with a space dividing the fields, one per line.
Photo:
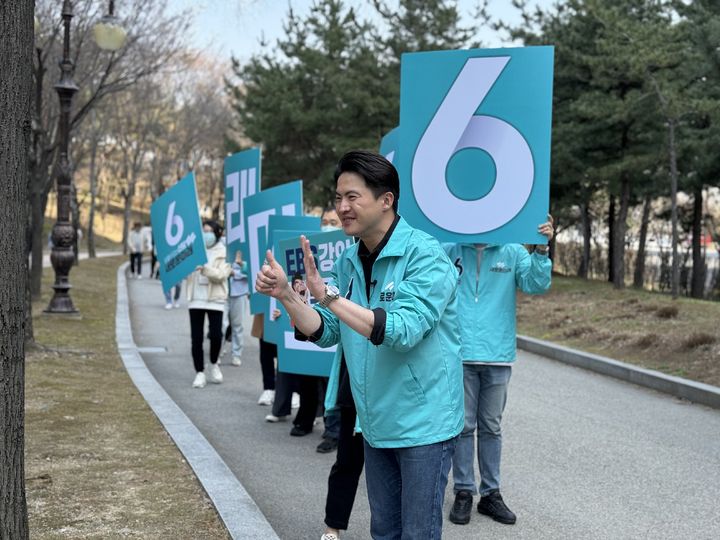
x=388 y=200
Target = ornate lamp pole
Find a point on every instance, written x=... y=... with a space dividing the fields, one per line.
x=63 y=234
x=109 y=36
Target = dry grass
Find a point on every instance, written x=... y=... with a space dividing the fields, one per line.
x=98 y=463
x=639 y=327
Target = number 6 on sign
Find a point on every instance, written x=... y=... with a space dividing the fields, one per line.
x=453 y=128
x=459 y=108
x=173 y=220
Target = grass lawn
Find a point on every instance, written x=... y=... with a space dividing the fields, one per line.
x=651 y=330
x=98 y=462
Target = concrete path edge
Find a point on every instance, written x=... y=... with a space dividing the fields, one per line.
x=696 y=392
x=241 y=516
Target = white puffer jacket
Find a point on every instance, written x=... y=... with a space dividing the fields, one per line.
x=207 y=287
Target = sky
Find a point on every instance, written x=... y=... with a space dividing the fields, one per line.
x=235 y=27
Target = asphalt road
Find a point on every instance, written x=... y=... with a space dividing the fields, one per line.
x=585 y=456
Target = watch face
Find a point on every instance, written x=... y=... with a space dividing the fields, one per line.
x=332 y=290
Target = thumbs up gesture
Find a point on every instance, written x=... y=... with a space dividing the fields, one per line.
x=271 y=280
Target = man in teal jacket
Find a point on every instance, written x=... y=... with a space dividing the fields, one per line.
x=489 y=276
x=391 y=303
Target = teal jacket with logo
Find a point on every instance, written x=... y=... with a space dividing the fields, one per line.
x=487 y=299
x=408 y=391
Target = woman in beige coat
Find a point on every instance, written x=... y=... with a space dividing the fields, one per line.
x=207 y=292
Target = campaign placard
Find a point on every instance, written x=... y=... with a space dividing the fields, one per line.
x=296 y=356
x=474 y=159
x=177 y=231
x=389 y=144
x=242 y=179
x=282 y=228
x=284 y=200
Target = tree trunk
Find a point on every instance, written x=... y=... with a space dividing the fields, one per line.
x=38 y=203
x=675 y=275
x=16 y=47
x=611 y=235
x=639 y=277
x=75 y=220
x=586 y=223
x=697 y=287
x=618 y=238
x=93 y=196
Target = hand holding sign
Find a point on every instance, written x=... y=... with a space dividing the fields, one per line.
x=315 y=282
x=271 y=280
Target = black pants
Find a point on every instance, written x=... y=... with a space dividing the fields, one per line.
x=308 y=390
x=136 y=262
x=197 y=322
x=268 y=353
x=345 y=473
x=285 y=385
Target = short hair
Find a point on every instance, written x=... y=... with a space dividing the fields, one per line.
x=379 y=174
x=215 y=226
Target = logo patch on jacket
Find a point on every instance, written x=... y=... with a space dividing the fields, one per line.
x=387 y=294
x=501 y=267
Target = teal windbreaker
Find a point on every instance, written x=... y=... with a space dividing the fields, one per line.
x=487 y=302
x=408 y=391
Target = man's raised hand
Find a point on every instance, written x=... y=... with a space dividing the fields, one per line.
x=271 y=279
x=314 y=281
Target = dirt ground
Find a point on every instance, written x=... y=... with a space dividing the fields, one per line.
x=680 y=337
x=98 y=462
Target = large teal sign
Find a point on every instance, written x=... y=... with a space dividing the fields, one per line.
x=475 y=130
x=284 y=200
x=389 y=145
x=177 y=232
x=296 y=356
x=283 y=228
x=242 y=179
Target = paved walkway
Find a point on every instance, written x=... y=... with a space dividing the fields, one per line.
x=585 y=456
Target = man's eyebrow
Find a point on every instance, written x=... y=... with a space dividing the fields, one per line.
x=337 y=193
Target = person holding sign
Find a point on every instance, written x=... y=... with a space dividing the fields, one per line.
x=207 y=292
x=489 y=277
x=391 y=304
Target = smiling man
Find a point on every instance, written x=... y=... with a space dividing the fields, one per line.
x=391 y=304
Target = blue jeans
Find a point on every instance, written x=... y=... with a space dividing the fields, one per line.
x=237 y=306
x=169 y=294
x=485 y=397
x=406 y=489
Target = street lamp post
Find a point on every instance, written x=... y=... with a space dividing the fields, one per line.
x=63 y=233
x=109 y=36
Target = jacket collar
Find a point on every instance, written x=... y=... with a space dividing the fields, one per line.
x=395 y=246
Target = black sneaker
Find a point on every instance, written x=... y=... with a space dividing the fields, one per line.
x=493 y=505
x=327 y=446
x=462 y=507
x=297 y=431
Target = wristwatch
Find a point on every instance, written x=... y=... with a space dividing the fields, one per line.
x=331 y=293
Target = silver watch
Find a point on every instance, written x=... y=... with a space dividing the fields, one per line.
x=331 y=293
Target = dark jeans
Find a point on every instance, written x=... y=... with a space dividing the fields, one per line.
x=406 y=489
x=197 y=322
x=308 y=390
x=345 y=473
x=285 y=385
x=268 y=353
x=136 y=262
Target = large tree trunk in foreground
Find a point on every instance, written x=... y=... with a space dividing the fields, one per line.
x=16 y=48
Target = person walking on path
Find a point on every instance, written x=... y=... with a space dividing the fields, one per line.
x=172 y=297
x=489 y=276
x=207 y=291
x=391 y=303
x=135 y=245
x=237 y=306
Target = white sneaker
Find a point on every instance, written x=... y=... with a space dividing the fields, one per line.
x=267 y=397
x=215 y=375
x=168 y=306
x=177 y=305
x=200 y=380
x=272 y=418
x=139 y=276
x=236 y=361
x=329 y=536
x=295 y=400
